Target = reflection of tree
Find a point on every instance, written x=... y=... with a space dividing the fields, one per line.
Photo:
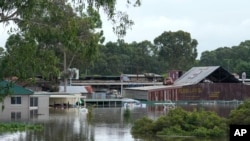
x=127 y=115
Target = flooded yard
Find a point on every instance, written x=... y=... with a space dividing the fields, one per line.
x=105 y=124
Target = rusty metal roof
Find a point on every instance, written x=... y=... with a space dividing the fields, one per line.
x=207 y=74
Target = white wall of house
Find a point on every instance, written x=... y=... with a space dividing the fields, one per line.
x=25 y=102
x=14 y=113
x=23 y=111
x=43 y=101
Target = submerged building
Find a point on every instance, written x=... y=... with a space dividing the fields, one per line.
x=199 y=83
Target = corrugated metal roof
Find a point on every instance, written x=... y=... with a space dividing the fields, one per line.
x=14 y=89
x=148 y=88
x=195 y=75
x=73 y=89
x=215 y=74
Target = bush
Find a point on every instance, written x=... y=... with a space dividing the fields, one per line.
x=142 y=126
x=179 y=122
x=240 y=115
x=13 y=127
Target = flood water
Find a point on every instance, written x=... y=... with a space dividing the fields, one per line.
x=106 y=124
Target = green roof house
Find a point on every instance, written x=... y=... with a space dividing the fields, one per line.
x=17 y=105
x=13 y=89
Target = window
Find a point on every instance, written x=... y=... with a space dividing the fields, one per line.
x=16 y=100
x=33 y=101
x=33 y=113
x=15 y=116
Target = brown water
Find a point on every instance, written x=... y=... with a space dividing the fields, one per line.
x=106 y=124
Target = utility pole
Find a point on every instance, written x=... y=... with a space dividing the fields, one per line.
x=65 y=70
x=121 y=77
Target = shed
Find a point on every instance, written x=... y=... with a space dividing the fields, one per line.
x=198 y=83
x=211 y=83
x=152 y=93
x=208 y=74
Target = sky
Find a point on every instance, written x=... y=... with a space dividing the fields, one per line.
x=213 y=23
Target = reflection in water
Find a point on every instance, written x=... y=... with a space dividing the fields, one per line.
x=106 y=124
x=13 y=136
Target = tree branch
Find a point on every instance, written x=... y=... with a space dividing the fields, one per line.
x=11 y=17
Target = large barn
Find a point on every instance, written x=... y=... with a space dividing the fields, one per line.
x=199 y=83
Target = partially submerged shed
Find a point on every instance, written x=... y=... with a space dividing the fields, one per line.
x=199 y=83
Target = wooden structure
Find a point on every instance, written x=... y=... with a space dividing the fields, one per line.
x=199 y=83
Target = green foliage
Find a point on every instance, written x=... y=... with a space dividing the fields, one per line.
x=175 y=46
x=235 y=59
x=240 y=115
x=126 y=113
x=24 y=60
x=145 y=57
x=14 y=127
x=5 y=91
x=45 y=36
x=18 y=10
x=179 y=122
x=142 y=126
x=47 y=29
x=133 y=58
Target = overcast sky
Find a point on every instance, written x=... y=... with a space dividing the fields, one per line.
x=213 y=23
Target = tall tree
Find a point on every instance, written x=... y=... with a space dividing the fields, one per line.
x=177 y=49
x=143 y=57
x=208 y=58
x=65 y=31
x=23 y=13
x=134 y=58
x=22 y=59
x=17 y=9
x=235 y=59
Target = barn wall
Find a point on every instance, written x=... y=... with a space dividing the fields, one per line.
x=214 y=91
x=162 y=95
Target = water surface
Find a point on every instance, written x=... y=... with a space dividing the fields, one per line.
x=106 y=124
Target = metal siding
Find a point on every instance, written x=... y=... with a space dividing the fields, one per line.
x=215 y=91
x=200 y=91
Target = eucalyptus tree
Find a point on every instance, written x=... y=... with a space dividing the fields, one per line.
x=23 y=59
x=17 y=9
x=26 y=12
x=118 y=57
x=176 y=49
x=144 y=57
x=64 y=30
x=235 y=59
x=121 y=57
